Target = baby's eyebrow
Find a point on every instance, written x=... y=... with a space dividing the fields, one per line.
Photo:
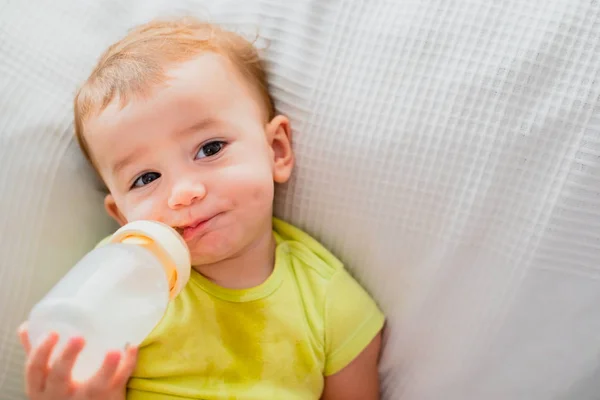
x=123 y=162
x=199 y=125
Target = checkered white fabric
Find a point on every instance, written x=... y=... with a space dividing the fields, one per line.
x=448 y=152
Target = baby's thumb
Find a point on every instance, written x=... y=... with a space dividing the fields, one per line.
x=24 y=337
x=127 y=366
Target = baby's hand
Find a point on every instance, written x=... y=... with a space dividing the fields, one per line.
x=53 y=382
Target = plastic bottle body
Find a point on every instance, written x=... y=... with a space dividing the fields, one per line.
x=113 y=297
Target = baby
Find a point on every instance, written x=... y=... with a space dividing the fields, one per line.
x=177 y=120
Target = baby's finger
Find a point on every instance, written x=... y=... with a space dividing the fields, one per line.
x=126 y=368
x=37 y=366
x=102 y=381
x=24 y=337
x=58 y=382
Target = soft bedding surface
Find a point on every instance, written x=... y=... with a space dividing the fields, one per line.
x=448 y=152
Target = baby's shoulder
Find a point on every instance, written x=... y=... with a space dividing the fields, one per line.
x=303 y=252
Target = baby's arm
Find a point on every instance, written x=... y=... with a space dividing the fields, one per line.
x=53 y=382
x=359 y=380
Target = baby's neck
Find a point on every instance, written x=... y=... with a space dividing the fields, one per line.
x=249 y=268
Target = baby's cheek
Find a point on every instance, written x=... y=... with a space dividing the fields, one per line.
x=253 y=187
x=148 y=209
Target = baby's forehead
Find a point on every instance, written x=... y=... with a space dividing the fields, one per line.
x=205 y=86
x=207 y=67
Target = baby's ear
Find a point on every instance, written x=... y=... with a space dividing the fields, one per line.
x=279 y=135
x=113 y=210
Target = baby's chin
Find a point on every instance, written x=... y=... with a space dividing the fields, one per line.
x=205 y=256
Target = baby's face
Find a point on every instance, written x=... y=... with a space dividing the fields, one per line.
x=196 y=155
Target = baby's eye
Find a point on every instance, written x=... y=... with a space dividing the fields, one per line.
x=145 y=179
x=210 y=149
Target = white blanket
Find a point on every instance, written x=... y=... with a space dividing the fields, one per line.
x=448 y=152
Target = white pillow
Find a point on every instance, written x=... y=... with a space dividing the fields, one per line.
x=448 y=152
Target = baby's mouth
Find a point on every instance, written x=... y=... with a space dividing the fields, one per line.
x=188 y=231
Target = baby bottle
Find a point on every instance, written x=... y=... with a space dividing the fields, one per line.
x=115 y=295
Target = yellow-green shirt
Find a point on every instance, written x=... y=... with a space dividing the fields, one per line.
x=278 y=340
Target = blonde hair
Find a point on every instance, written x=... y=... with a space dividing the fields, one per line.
x=137 y=63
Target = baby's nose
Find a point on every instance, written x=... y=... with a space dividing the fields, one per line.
x=185 y=193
